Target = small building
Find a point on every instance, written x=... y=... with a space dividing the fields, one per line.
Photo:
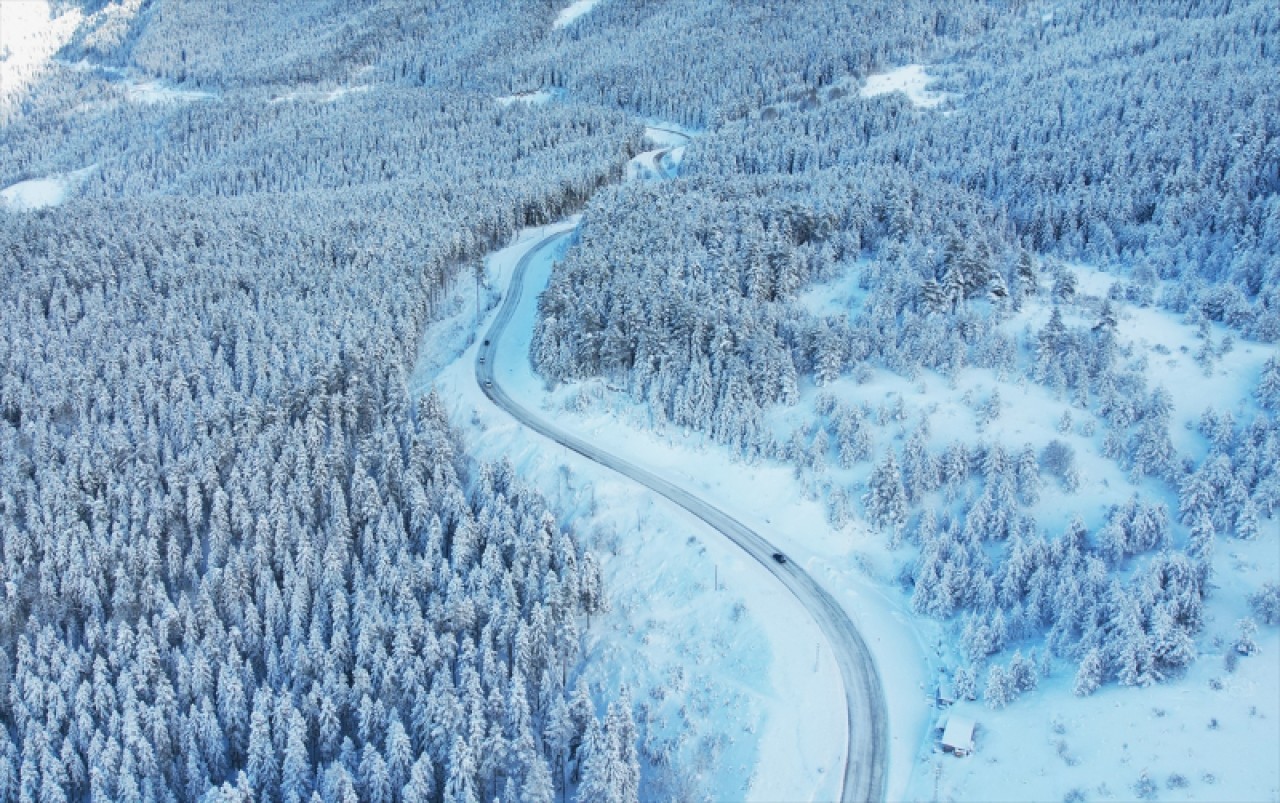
x=957 y=738
x=945 y=695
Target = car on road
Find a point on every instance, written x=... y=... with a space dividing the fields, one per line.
x=482 y=359
x=778 y=557
x=488 y=383
x=486 y=341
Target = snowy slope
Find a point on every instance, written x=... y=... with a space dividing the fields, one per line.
x=38 y=193
x=729 y=676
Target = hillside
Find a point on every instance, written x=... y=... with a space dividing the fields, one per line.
x=936 y=343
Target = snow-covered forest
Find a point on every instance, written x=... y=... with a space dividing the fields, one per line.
x=1151 y=149
x=1019 y=328
x=236 y=554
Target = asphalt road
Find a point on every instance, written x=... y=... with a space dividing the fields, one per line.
x=868 y=743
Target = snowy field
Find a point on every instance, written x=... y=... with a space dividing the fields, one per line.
x=1211 y=735
x=1113 y=736
x=29 y=36
x=321 y=95
x=540 y=96
x=39 y=193
x=909 y=79
x=139 y=91
x=570 y=13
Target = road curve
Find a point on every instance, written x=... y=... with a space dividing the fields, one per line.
x=867 y=721
x=662 y=153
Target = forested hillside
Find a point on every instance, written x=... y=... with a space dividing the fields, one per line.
x=236 y=555
x=1025 y=332
x=1141 y=138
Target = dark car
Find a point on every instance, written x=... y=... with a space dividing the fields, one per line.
x=779 y=557
x=486 y=341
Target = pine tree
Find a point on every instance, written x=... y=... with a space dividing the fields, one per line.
x=1000 y=689
x=1088 y=678
x=620 y=732
x=886 y=500
x=1268 y=392
x=964 y=683
x=594 y=760
x=295 y=784
x=262 y=767
x=1246 y=524
x=1200 y=544
x=421 y=785
x=460 y=779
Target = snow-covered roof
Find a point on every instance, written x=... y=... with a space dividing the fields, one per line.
x=959 y=732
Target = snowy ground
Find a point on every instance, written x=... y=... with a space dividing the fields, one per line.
x=910 y=79
x=1042 y=747
x=29 y=36
x=155 y=91
x=540 y=96
x=1111 y=737
x=1213 y=730
x=570 y=13
x=321 y=95
x=38 y=193
x=738 y=680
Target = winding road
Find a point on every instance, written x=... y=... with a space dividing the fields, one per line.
x=867 y=720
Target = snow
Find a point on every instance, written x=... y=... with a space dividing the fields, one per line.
x=959 y=731
x=321 y=95
x=570 y=13
x=38 y=193
x=738 y=678
x=29 y=36
x=1052 y=742
x=1115 y=734
x=155 y=91
x=910 y=79
x=732 y=677
x=663 y=161
x=539 y=96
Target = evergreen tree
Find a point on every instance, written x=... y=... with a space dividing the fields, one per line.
x=886 y=500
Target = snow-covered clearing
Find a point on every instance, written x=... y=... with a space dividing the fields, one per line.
x=910 y=79
x=321 y=95
x=539 y=96
x=1043 y=746
x=1210 y=735
x=155 y=91
x=570 y=13
x=1051 y=742
x=38 y=193
x=29 y=36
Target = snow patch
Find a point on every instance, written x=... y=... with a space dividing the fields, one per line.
x=29 y=36
x=537 y=97
x=321 y=95
x=1208 y=735
x=155 y=91
x=910 y=79
x=570 y=13
x=38 y=193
